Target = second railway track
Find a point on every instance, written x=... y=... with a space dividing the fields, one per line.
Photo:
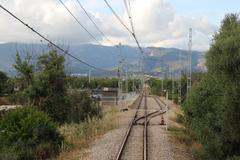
x=135 y=143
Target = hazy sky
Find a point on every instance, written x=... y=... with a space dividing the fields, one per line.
x=162 y=23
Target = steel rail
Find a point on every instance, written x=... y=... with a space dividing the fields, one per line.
x=129 y=130
x=154 y=112
x=145 y=130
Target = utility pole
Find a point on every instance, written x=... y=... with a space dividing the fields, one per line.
x=172 y=85
x=162 y=87
x=189 y=77
x=126 y=79
x=89 y=76
x=133 y=85
x=120 y=72
x=141 y=72
x=179 y=79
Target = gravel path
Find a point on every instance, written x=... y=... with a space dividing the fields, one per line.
x=159 y=147
x=160 y=144
x=134 y=147
x=107 y=147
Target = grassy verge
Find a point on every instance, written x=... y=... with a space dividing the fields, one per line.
x=185 y=137
x=5 y=101
x=79 y=136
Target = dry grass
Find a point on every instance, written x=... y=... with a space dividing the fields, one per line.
x=78 y=137
x=4 y=101
x=181 y=137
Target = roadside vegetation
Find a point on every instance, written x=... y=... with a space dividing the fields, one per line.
x=212 y=109
x=99 y=83
x=159 y=87
x=28 y=133
x=211 y=112
x=56 y=113
x=78 y=136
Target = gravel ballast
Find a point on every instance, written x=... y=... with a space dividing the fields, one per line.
x=160 y=144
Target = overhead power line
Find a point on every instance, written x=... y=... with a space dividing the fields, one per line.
x=129 y=12
x=96 y=26
x=124 y=25
x=82 y=25
x=115 y=14
x=50 y=42
x=91 y=35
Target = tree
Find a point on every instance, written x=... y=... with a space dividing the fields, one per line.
x=26 y=133
x=24 y=70
x=212 y=110
x=43 y=86
x=49 y=91
x=82 y=106
x=3 y=83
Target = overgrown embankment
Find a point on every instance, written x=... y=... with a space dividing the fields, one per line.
x=212 y=110
x=78 y=137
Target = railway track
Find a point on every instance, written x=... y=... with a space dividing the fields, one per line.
x=135 y=143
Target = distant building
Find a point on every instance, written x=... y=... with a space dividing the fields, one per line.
x=109 y=96
x=79 y=75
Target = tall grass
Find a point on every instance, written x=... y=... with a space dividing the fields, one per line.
x=4 y=101
x=186 y=137
x=80 y=136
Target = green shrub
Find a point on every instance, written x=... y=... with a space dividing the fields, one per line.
x=180 y=118
x=27 y=133
x=82 y=106
x=234 y=158
x=212 y=109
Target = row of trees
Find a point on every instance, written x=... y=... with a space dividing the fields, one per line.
x=99 y=83
x=6 y=84
x=42 y=88
x=171 y=86
x=44 y=84
x=212 y=110
x=48 y=98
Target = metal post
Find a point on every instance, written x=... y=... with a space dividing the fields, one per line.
x=189 y=77
x=172 y=86
x=89 y=76
x=126 y=80
x=162 y=87
x=133 y=85
x=179 y=80
x=120 y=74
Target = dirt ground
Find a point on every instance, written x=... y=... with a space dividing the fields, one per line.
x=164 y=146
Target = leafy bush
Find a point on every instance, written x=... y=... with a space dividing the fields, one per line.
x=3 y=82
x=82 y=106
x=180 y=118
x=212 y=109
x=43 y=86
x=234 y=158
x=27 y=133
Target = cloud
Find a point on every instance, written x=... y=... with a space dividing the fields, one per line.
x=156 y=23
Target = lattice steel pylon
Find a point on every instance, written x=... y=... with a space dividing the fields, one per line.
x=189 y=76
x=180 y=79
x=120 y=71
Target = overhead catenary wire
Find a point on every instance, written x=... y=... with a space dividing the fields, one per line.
x=100 y=44
x=96 y=26
x=115 y=14
x=49 y=41
x=90 y=34
x=129 y=11
x=124 y=25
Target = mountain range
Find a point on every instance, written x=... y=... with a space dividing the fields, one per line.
x=156 y=59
